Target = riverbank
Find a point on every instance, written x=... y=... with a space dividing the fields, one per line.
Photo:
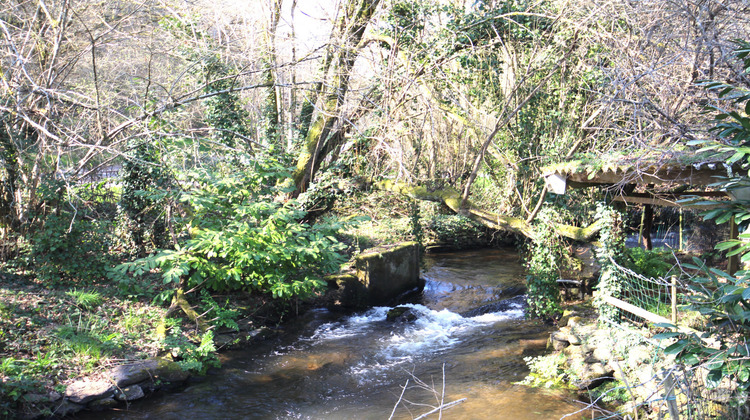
x=624 y=369
x=53 y=336
x=339 y=366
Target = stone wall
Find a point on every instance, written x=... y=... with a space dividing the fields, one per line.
x=380 y=276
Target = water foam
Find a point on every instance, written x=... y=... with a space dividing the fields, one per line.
x=432 y=331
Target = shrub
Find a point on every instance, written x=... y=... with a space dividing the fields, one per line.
x=243 y=238
x=649 y=263
x=71 y=250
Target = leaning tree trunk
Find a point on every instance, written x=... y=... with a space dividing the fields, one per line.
x=337 y=68
x=453 y=200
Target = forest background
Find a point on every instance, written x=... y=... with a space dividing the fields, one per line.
x=160 y=149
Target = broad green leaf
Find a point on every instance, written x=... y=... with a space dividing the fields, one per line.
x=677 y=347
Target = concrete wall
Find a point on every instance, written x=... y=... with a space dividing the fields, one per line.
x=382 y=274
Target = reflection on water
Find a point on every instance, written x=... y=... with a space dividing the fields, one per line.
x=461 y=281
x=331 y=366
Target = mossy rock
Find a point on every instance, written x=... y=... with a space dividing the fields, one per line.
x=401 y=314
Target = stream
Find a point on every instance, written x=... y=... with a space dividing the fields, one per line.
x=468 y=341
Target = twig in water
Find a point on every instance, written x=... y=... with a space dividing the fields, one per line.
x=399 y=400
x=439 y=396
x=441 y=408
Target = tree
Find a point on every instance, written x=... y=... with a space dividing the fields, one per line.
x=326 y=132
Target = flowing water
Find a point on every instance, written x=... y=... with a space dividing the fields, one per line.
x=468 y=341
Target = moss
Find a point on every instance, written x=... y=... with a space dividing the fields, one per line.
x=641 y=160
x=378 y=252
x=452 y=198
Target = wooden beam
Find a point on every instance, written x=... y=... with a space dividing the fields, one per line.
x=625 y=306
x=655 y=319
x=670 y=200
x=670 y=175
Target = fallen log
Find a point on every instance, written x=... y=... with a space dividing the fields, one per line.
x=452 y=199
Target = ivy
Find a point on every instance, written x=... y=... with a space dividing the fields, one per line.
x=611 y=248
x=544 y=266
x=144 y=175
x=224 y=111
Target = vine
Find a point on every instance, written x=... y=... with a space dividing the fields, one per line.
x=544 y=266
x=611 y=248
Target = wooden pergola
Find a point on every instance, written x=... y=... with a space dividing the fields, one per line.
x=663 y=179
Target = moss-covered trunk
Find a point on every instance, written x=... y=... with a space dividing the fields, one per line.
x=341 y=55
x=452 y=199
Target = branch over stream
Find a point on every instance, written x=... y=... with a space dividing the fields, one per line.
x=452 y=199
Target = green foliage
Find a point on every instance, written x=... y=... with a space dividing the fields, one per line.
x=191 y=357
x=243 y=238
x=544 y=266
x=407 y=20
x=218 y=315
x=224 y=111
x=16 y=382
x=85 y=300
x=547 y=371
x=723 y=299
x=611 y=249
x=614 y=392
x=649 y=263
x=415 y=221
x=9 y=174
x=457 y=230
x=144 y=174
x=68 y=246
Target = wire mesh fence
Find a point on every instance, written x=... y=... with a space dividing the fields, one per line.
x=661 y=388
x=660 y=297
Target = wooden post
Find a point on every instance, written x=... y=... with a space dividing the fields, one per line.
x=674 y=300
x=681 y=228
x=647 y=221
x=670 y=396
x=734 y=261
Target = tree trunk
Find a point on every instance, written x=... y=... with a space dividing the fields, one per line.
x=337 y=70
x=272 y=107
x=450 y=197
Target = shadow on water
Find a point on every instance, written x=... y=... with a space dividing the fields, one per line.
x=332 y=366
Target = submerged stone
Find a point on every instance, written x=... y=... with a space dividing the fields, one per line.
x=152 y=370
x=401 y=314
x=103 y=404
x=130 y=393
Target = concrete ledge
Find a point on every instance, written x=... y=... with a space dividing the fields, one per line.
x=382 y=274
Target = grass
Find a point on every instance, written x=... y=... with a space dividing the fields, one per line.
x=52 y=335
x=85 y=300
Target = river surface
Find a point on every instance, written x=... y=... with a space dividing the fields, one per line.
x=468 y=342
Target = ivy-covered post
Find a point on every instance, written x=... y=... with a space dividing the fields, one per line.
x=544 y=267
x=224 y=111
x=611 y=248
